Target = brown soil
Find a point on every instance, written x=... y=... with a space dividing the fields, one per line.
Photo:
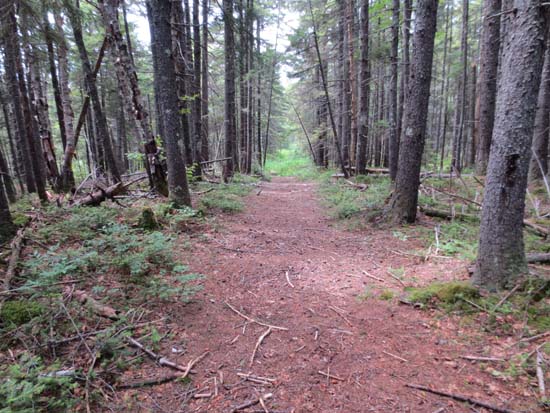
x=335 y=322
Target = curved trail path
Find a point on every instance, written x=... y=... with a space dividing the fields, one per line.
x=284 y=262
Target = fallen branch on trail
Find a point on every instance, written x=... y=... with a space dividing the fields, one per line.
x=330 y=376
x=149 y=382
x=250 y=403
x=163 y=361
x=257 y=346
x=360 y=187
x=462 y=399
x=266 y=381
x=252 y=320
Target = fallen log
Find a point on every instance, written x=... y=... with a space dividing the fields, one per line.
x=447 y=215
x=538 y=258
x=16 y=248
x=101 y=194
x=462 y=399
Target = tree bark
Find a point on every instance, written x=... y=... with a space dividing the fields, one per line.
x=205 y=156
x=91 y=88
x=405 y=197
x=364 y=91
x=165 y=77
x=488 y=70
x=393 y=142
x=539 y=159
x=128 y=80
x=230 y=127
x=501 y=256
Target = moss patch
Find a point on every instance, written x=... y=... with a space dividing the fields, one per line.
x=445 y=293
x=20 y=312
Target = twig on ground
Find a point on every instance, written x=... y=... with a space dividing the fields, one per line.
x=506 y=297
x=257 y=379
x=149 y=382
x=341 y=315
x=394 y=356
x=478 y=358
x=462 y=398
x=258 y=343
x=288 y=279
x=250 y=403
x=163 y=361
x=330 y=376
x=252 y=320
x=373 y=277
x=395 y=277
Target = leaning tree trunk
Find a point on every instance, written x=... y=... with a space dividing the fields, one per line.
x=128 y=80
x=488 y=69
x=539 y=160
x=501 y=256
x=165 y=78
x=364 y=89
x=91 y=89
x=230 y=127
x=405 y=197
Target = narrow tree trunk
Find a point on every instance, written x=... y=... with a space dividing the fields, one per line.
x=364 y=91
x=501 y=256
x=230 y=127
x=197 y=104
x=405 y=197
x=488 y=70
x=7 y=227
x=91 y=89
x=539 y=160
x=133 y=101
x=393 y=142
x=159 y=12
x=205 y=156
x=6 y=178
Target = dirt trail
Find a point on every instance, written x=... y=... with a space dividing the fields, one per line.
x=372 y=346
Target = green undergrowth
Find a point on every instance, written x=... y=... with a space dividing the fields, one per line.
x=345 y=202
x=123 y=260
x=529 y=304
x=224 y=197
x=292 y=161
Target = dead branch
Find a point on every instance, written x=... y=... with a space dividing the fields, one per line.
x=258 y=343
x=394 y=356
x=98 y=308
x=288 y=279
x=540 y=375
x=542 y=258
x=252 y=320
x=373 y=277
x=477 y=358
x=462 y=398
x=257 y=379
x=253 y=402
x=163 y=361
x=330 y=376
x=341 y=315
x=148 y=382
x=16 y=248
x=470 y=201
x=395 y=277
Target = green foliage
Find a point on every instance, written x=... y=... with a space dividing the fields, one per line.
x=147 y=220
x=386 y=295
x=79 y=223
x=27 y=387
x=447 y=294
x=291 y=162
x=345 y=202
x=225 y=197
x=19 y=312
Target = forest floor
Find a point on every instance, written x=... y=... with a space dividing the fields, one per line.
x=341 y=340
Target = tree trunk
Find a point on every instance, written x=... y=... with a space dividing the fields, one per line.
x=539 y=159
x=91 y=88
x=205 y=156
x=128 y=81
x=407 y=12
x=405 y=197
x=230 y=127
x=7 y=227
x=460 y=106
x=159 y=12
x=197 y=104
x=393 y=142
x=364 y=91
x=501 y=256
x=488 y=69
